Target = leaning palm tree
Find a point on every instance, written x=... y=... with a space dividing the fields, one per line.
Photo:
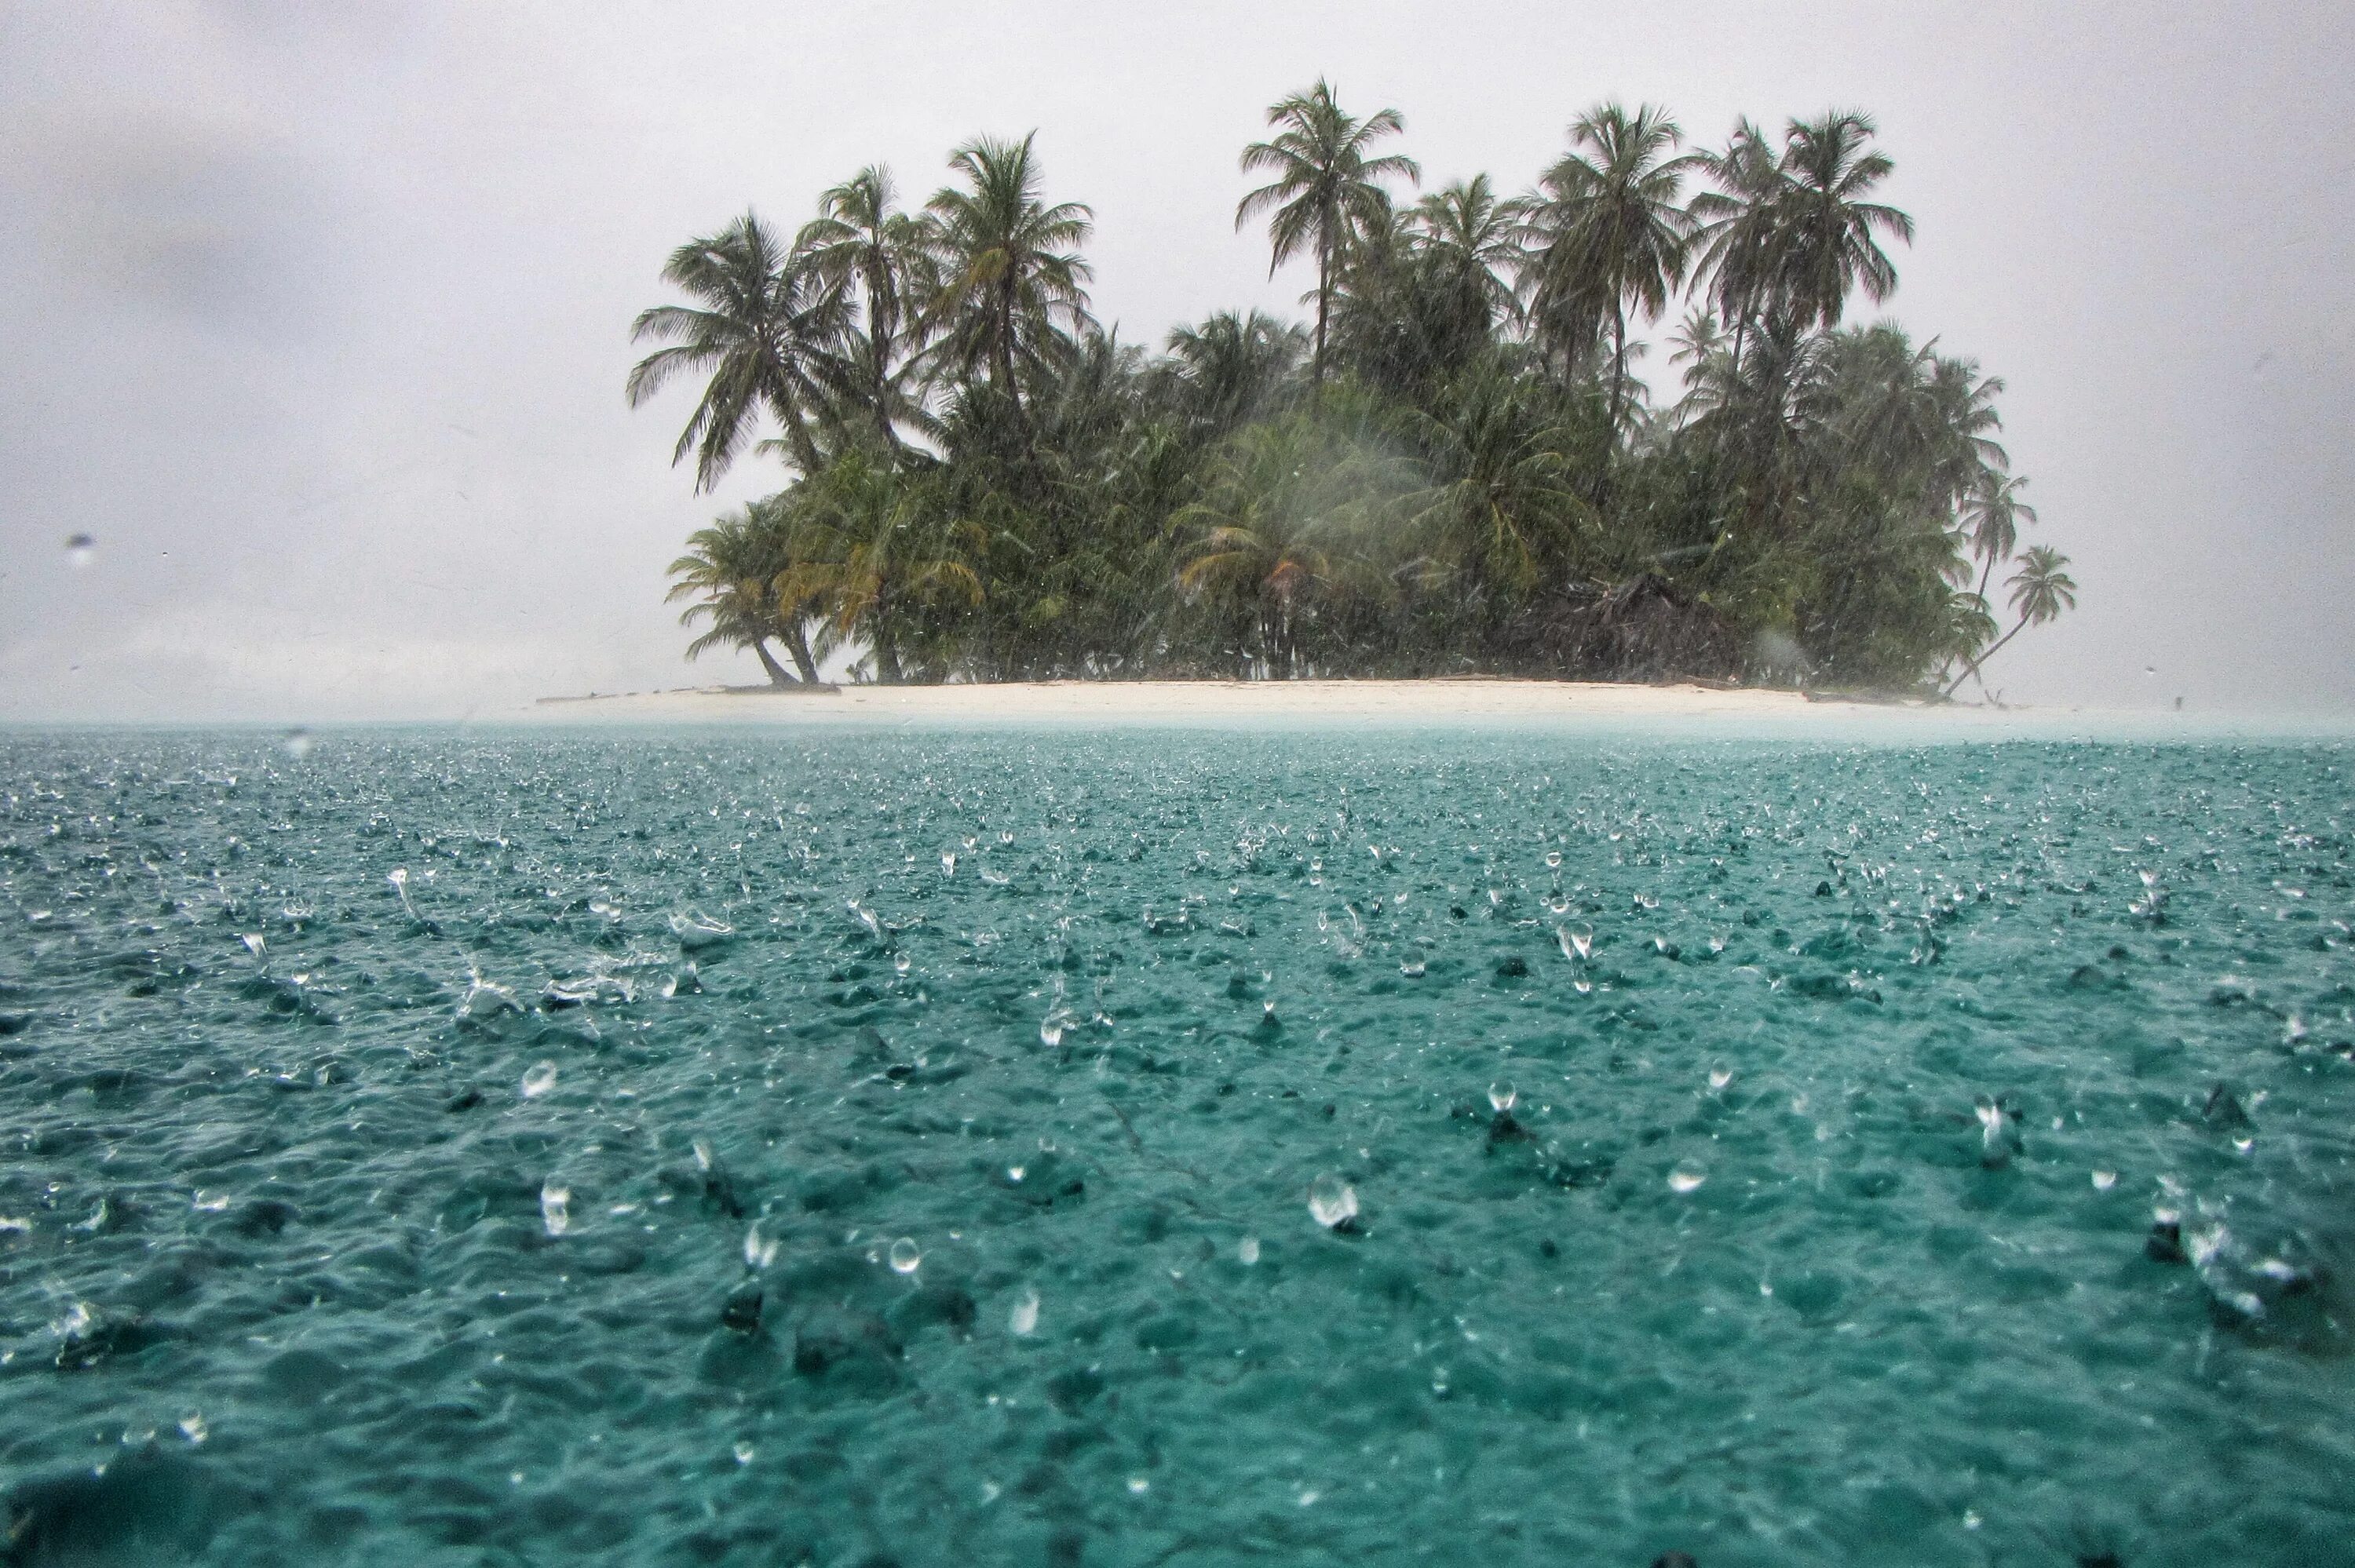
x=763 y=328
x=2040 y=591
x=1608 y=231
x=1828 y=237
x=1325 y=190
x=727 y=572
x=1012 y=283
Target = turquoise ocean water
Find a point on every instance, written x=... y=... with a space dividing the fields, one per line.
x=671 y=1147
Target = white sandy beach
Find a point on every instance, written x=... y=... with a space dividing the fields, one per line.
x=1286 y=704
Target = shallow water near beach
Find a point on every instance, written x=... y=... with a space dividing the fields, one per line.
x=675 y=1148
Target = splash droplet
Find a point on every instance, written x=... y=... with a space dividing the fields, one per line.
x=1502 y=1095
x=1332 y=1201
x=1686 y=1178
x=1023 y=1320
x=539 y=1080
x=905 y=1257
x=760 y=1251
x=1247 y=1250
x=1553 y=860
x=2105 y=1179
x=1720 y=1076
x=555 y=1207
x=193 y=1427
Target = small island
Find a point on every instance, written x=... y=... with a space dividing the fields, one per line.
x=1460 y=465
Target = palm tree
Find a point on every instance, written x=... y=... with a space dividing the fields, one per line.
x=1992 y=514
x=1500 y=507
x=1325 y=189
x=873 y=553
x=1826 y=236
x=1012 y=281
x=2040 y=591
x=861 y=243
x=727 y=571
x=1231 y=367
x=1608 y=230
x=763 y=328
x=1737 y=227
x=1474 y=239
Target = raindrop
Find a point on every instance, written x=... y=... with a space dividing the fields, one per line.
x=1413 y=968
x=702 y=1147
x=1247 y=1250
x=193 y=1427
x=555 y=1212
x=948 y=865
x=905 y=1258
x=1023 y=1320
x=254 y=944
x=744 y=1452
x=1138 y=1485
x=1015 y=1174
x=1051 y=1032
x=1686 y=1177
x=760 y=1251
x=82 y=550
x=2105 y=1179
x=1332 y=1201
x=1720 y=1075
x=1553 y=860
x=1502 y=1095
x=1577 y=942
x=539 y=1080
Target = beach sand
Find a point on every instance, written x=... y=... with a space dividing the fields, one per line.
x=1292 y=704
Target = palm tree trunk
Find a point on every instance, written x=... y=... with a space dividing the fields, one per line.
x=1324 y=304
x=777 y=676
x=1972 y=668
x=886 y=646
x=796 y=643
x=1618 y=366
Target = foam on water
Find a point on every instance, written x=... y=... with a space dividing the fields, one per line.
x=1510 y=1148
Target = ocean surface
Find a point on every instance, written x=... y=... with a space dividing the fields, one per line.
x=643 y=1146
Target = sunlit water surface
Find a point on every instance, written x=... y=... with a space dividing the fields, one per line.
x=902 y=1149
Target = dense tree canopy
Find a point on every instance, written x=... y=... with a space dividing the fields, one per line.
x=1455 y=466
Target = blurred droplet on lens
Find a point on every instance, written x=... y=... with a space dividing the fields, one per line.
x=82 y=550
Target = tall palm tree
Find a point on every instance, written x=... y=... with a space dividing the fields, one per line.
x=860 y=242
x=1829 y=237
x=1609 y=231
x=2040 y=591
x=1325 y=187
x=1012 y=283
x=1737 y=227
x=763 y=328
x=727 y=571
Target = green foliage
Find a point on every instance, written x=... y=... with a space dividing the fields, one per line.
x=1454 y=468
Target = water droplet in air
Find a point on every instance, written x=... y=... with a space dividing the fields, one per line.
x=1413 y=968
x=555 y=1207
x=193 y=1427
x=948 y=865
x=1015 y=1174
x=1023 y=1320
x=1332 y=1201
x=744 y=1452
x=254 y=944
x=1553 y=860
x=1138 y=1485
x=905 y=1258
x=1720 y=1076
x=1686 y=1177
x=702 y=1147
x=1051 y=1032
x=1502 y=1095
x=82 y=550
x=539 y=1080
x=760 y=1251
x=2105 y=1179
x=1578 y=942
x=1248 y=1249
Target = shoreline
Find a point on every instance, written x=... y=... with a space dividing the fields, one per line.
x=1438 y=701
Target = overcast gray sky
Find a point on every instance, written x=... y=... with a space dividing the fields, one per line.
x=315 y=316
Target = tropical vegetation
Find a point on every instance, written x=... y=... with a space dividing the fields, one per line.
x=1456 y=464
